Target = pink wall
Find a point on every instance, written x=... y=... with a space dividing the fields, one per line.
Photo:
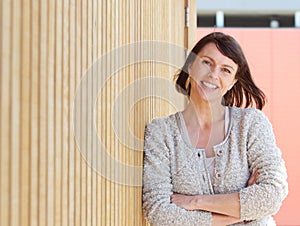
x=274 y=59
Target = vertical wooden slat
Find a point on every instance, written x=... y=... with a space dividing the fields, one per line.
x=25 y=112
x=100 y=40
x=77 y=164
x=34 y=107
x=125 y=30
x=193 y=24
x=131 y=75
x=104 y=48
x=89 y=116
x=83 y=115
x=72 y=145
x=118 y=41
x=58 y=79
x=112 y=92
x=50 y=114
x=43 y=111
x=107 y=195
x=66 y=105
x=15 y=113
x=1 y=120
x=137 y=91
x=94 y=27
x=5 y=132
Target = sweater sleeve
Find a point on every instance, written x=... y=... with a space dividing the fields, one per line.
x=266 y=196
x=157 y=183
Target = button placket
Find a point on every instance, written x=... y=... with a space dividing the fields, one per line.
x=206 y=177
x=218 y=174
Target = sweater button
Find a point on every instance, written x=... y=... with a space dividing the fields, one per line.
x=220 y=152
x=199 y=155
x=218 y=175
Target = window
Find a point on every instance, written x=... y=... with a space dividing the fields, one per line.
x=247 y=20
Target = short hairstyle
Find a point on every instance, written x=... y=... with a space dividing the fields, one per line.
x=244 y=93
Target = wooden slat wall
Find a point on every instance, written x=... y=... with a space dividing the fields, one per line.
x=48 y=173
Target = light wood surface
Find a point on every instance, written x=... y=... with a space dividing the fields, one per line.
x=52 y=170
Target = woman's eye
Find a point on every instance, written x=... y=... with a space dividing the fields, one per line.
x=226 y=70
x=206 y=62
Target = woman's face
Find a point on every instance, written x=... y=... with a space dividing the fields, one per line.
x=212 y=74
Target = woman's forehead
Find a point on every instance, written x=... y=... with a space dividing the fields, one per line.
x=211 y=51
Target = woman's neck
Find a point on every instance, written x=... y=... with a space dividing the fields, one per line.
x=203 y=114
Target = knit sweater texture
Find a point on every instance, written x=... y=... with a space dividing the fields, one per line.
x=172 y=165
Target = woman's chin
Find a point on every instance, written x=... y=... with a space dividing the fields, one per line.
x=209 y=95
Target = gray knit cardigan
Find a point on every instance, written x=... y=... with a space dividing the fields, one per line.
x=171 y=165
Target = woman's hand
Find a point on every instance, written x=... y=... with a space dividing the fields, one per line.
x=226 y=204
x=188 y=202
x=184 y=201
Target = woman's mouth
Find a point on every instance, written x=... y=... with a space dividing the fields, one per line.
x=209 y=85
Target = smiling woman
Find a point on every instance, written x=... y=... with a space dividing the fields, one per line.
x=244 y=90
x=212 y=73
x=214 y=163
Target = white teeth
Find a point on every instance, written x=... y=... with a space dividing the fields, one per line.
x=211 y=86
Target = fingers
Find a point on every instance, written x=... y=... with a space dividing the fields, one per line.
x=183 y=201
x=174 y=197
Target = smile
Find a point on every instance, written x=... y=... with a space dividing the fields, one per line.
x=209 y=85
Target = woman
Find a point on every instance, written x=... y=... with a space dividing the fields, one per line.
x=216 y=162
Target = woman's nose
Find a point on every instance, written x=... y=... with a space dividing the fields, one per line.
x=214 y=73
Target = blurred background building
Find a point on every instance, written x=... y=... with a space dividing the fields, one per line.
x=269 y=34
x=256 y=13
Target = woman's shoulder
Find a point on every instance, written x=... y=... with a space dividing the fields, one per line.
x=248 y=113
x=163 y=123
x=250 y=117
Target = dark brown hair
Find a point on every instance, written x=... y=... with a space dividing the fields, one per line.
x=244 y=93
